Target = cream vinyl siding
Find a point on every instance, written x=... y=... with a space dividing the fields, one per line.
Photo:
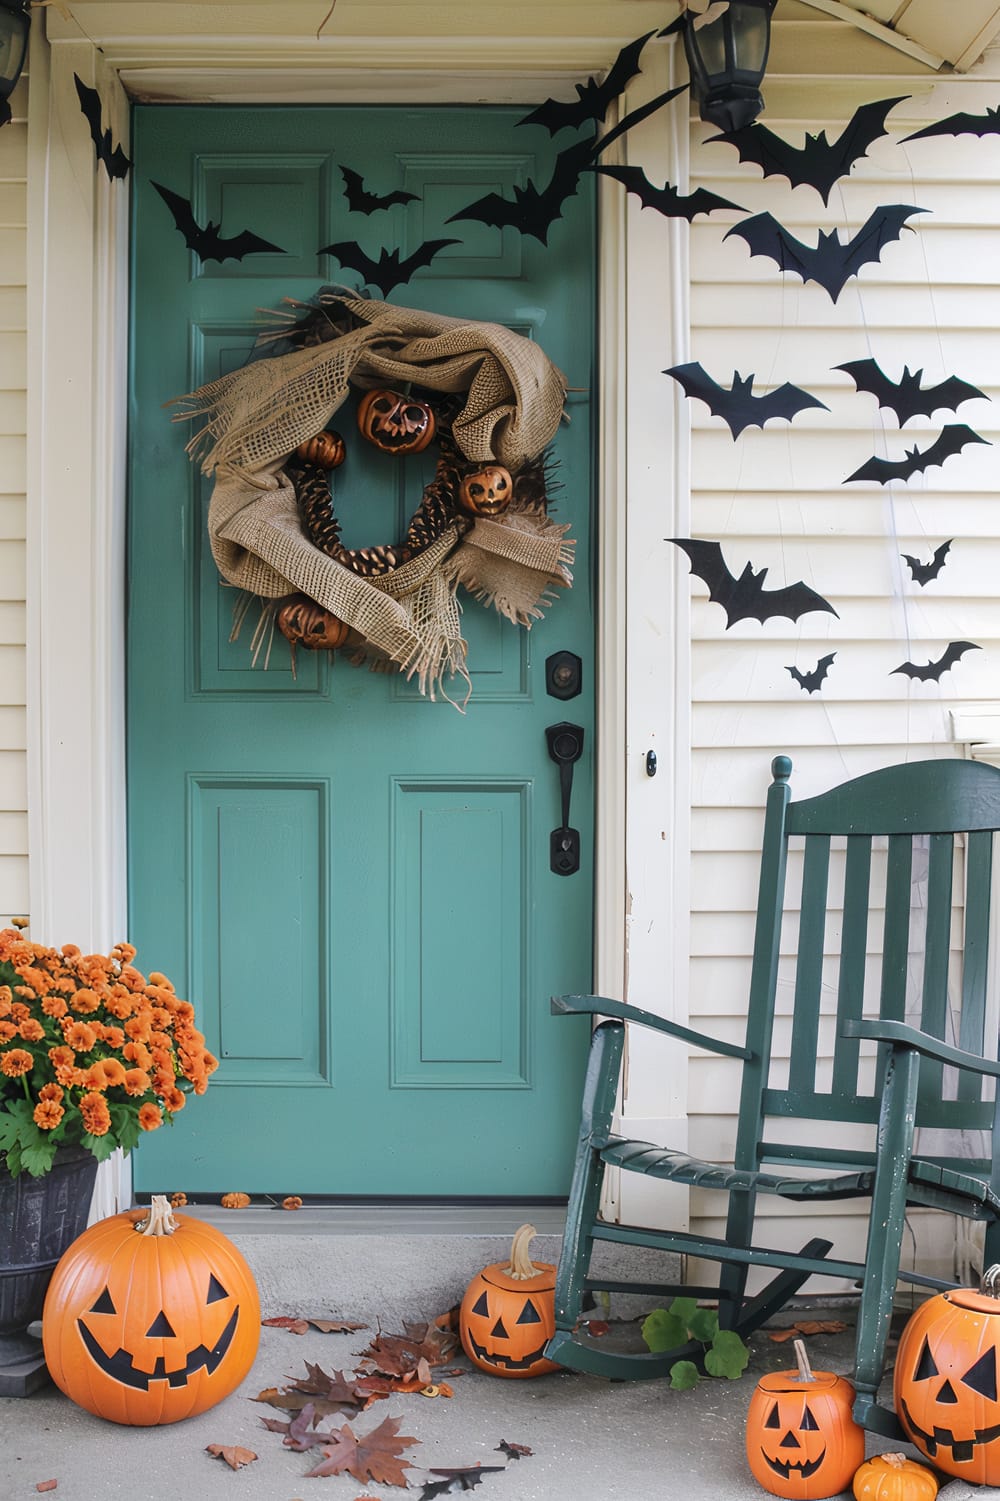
x=13 y=462
x=775 y=496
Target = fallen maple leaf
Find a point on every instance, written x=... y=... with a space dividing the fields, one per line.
x=302 y=1324
x=329 y=1393
x=808 y=1326
x=234 y=1455
x=374 y=1456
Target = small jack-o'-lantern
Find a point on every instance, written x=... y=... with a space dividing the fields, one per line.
x=946 y=1383
x=307 y=624
x=801 y=1439
x=395 y=423
x=508 y=1313
x=327 y=449
x=150 y=1317
x=486 y=492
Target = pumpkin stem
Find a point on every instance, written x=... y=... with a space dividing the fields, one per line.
x=895 y=1461
x=990 y=1282
x=521 y=1266
x=802 y=1361
x=160 y=1220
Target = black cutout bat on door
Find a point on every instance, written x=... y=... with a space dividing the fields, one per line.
x=668 y=200
x=932 y=671
x=906 y=397
x=952 y=439
x=116 y=163
x=744 y=597
x=593 y=99
x=831 y=262
x=205 y=240
x=360 y=200
x=811 y=681
x=392 y=269
x=818 y=163
x=962 y=124
x=922 y=573
x=737 y=406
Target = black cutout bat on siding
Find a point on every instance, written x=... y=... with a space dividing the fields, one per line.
x=667 y=200
x=744 y=597
x=922 y=573
x=906 y=397
x=360 y=200
x=593 y=99
x=736 y=405
x=952 y=439
x=818 y=163
x=811 y=681
x=116 y=163
x=953 y=653
x=391 y=269
x=831 y=262
x=961 y=124
x=205 y=240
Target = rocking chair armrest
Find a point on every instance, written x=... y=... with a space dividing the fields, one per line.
x=600 y=1005
x=901 y=1035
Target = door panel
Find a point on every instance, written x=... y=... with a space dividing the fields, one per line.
x=350 y=882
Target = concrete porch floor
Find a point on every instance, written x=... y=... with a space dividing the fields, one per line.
x=590 y=1438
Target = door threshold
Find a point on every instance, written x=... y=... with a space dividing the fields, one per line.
x=388 y=1217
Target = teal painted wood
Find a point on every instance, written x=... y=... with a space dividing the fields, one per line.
x=809 y=970
x=351 y=883
x=853 y=954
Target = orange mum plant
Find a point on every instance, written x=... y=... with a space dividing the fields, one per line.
x=92 y=1052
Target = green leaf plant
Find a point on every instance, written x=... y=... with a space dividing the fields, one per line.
x=725 y=1354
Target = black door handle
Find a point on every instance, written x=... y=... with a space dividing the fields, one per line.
x=565 y=742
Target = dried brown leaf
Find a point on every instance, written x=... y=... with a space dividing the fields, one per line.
x=513 y=1451
x=282 y=1321
x=234 y=1454
x=46 y=1485
x=374 y=1456
x=808 y=1326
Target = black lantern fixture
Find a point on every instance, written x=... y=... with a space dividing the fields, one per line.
x=15 y=22
x=727 y=56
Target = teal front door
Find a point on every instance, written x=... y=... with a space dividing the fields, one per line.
x=351 y=883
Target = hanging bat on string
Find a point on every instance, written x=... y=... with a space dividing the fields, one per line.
x=205 y=240
x=744 y=597
x=811 y=681
x=360 y=200
x=932 y=671
x=818 y=163
x=668 y=200
x=906 y=397
x=391 y=269
x=962 y=124
x=831 y=262
x=922 y=573
x=116 y=163
x=593 y=99
x=736 y=405
x=952 y=439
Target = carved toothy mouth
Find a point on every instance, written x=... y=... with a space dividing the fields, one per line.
x=121 y=1368
x=962 y=1449
x=803 y=1468
x=509 y=1362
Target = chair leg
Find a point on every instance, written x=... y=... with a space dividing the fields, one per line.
x=757 y=1310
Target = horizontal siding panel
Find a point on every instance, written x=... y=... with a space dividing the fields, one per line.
x=13 y=152
x=13 y=204
x=13 y=511
x=14 y=833
x=13 y=883
x=894 y=318
x=13 y=364
x=13 y=256
x=13 y=781
x=13 y=467
x=13 y=309
x=13 y=727
x=752 y=724
x=12 y=677
x=12 y=629
x=13 y=413
x=894 y=515
x=734 y=777
x=811 y=452
x=12 y=569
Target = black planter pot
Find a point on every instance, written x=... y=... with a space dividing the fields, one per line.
x=39 y=1219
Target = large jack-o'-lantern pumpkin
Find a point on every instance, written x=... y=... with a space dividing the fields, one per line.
x=508 y=1313
x=945 y=1383
x=801 y=1439
x=150 y=1317
x=396 y=423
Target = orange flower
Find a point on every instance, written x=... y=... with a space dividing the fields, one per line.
x=138 y=1053
x=96 y=1117
x=8 y=1031
x=19 y=1012
x=54 y=1005
x=70 y=950
x=62 y=1056
x=137 y=1081
x=155 y=978
x=31 y=1030
x=50 y=1092
x=138 y=1027
x=79 y=1035
x=47 y=1114
x=173 y=1099
x=16 y=1062
x=85 y=1000
x=105 y=1074
x=150 y=1116
x=123 y=952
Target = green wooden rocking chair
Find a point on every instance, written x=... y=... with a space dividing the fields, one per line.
x=920 y=1005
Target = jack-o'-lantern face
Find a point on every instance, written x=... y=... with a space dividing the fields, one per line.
x=305 y=623
x=395 y=423
x=505 y=1328
x=801 y=1439
x=487 y=492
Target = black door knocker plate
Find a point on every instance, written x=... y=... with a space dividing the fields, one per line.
x=565 y=742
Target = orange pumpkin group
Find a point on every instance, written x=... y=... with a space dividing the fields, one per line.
x=150 y=1317
x=508 y=1313
x=801 y=1439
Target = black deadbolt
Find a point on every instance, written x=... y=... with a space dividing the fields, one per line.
x=563 y=674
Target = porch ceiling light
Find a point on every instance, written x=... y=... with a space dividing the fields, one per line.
x=14 y=25
x=727 y=47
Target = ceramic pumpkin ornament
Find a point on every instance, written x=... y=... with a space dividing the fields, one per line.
x=150 y=1317
x=327 y=449
x=394 y=422
x=486 y=492
x=508 y=1313
x=893 y=1477
x=945 y=1382
x=801 y=1439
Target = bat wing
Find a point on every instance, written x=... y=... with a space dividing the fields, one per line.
x=738 y=407
x=811 y=681
x=533 y=211
x=765 y=236
x=745 y=598
x=831 y=262
x=960 y=125
x=593 y=98
x=818 y=163
x=932 y=671
x=422 y=256
x=879 y=229
x=667 y=200
x=948 y=394
x=180 y=212
x=217 y=247
x=951 y=440
x=708 y=564
x=791 y=602
x=116 y=163
x=921 y=572
x=389 y=271
x=787 y=401
x=906 y=397
x=361 y=201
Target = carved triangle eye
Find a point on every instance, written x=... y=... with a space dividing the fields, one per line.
x=808 y=1421
x=529 y=1314
x=926 y=1367
x=982 y=1377
x=481 y=1306
x=160 y=1328
x=215 y=1290
x=773 y=1420
x=104 y=1304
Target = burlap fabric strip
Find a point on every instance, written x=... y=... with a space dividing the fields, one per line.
x=252 y=419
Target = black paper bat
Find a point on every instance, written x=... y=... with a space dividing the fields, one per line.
x=667 y=200
x=593 y=99
x=818 y=163
x=922 y=573
x=116 y=163
x=811 y=681
x=906 y=397
x=736 y=405
x=206 y=241
x=391 y=269
x=832 y=262
x=951 y=439
x=953 y=653
x=361 y=201
x=745 y=598
x=961 y=125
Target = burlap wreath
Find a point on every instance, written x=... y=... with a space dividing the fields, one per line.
x=254 y=418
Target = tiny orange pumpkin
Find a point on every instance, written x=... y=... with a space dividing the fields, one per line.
x=893 y=1477
x=327 y=449
x=508 y=1313
x=801 y=1438
x=486 y=492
